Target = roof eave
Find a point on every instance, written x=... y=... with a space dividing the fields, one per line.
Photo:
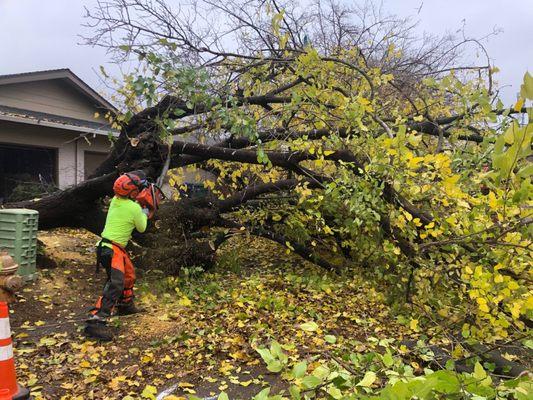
x=50 y=124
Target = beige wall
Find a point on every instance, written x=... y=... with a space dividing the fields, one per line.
x=54 y=96
x=70 y=151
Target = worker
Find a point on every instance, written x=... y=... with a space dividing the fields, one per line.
x=124 y=215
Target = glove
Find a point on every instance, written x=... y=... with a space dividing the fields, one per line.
x=149 y=213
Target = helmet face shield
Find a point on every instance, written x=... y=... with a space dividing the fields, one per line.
x=139 y=173
x=140 y=178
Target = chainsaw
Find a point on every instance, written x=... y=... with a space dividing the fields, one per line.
x=150 y=197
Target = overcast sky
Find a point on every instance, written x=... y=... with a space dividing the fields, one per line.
x=43 y=34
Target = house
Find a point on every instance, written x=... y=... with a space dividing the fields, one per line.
x=52 y=129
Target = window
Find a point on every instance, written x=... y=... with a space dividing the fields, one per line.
x=22 y=165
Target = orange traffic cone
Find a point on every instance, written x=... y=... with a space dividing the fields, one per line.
x=4 y=395
x=8 y=377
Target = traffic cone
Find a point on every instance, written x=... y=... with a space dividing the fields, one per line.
x=8 y=376
x=4 y=395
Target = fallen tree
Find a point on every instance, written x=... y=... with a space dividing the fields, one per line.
x=386 y=153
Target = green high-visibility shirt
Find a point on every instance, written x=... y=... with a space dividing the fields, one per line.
x=123 y=216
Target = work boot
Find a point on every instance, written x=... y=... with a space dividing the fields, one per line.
x=128 y=309
x=98 y=330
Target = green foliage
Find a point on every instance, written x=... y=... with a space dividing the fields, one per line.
x=385 y=376
x=229 y=261
x=28 y=190
x=274 y=357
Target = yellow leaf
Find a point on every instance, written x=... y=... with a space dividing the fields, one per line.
x=163 y=317
x=67 y=386
x=319 y=162
x=519 y=104
x=225 y=367
x=479 y=372
x=414 y=325
x=310 y=326
x=147 y=358
x=368 y=379
x=458 y=352
x=149 y=392
x=484 y=307
x=443 y=312
x=493 y=202
x=47 y=341
x=115 y=382
x=413 y=162
x=185 y=301
x=529 y=303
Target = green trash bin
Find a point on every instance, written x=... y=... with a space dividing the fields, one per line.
x=18 y=236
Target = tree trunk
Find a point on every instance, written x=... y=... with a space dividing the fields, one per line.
x=78 y=206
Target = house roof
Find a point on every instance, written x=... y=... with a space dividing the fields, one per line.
x=63 y=73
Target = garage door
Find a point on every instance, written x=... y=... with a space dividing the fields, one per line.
x=92 y=161
x=22 y=165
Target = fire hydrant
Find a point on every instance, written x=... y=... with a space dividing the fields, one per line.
x=9 y=281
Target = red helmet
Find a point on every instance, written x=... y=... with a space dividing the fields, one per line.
x=128 y=185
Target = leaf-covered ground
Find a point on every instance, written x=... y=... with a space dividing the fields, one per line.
x=198 y=334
